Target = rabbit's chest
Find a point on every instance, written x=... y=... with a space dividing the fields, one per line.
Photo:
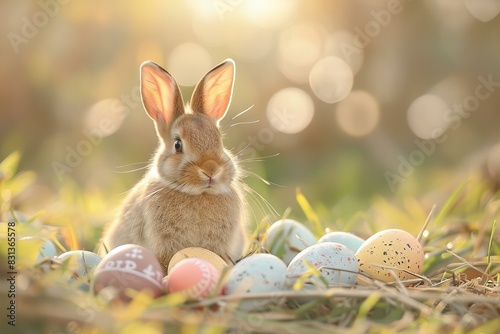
x=200 y=219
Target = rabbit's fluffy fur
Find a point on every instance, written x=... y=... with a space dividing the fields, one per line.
x=191 y=194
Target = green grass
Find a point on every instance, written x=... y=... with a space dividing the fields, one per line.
x=459 y=290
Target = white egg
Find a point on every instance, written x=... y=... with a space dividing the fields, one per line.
x=336 y=263
x=287 y=237
x=351 y=241
x=258 y=273
x=79 y=265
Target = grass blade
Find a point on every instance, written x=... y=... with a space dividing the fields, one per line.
x=490 y=244
x=449 y=204
x=309 y=212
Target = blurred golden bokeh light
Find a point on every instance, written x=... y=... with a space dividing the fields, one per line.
x=331 y=79
x=348 y=86
x=339 y=44
x=105 y=117
x=290 y=110
x=358 y=114
x=188 y=62
x=273 y=14
x=426 y=116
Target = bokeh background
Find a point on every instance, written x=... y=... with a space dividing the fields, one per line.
x=344 y=91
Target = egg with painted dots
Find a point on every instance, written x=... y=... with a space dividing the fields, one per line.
x=391 y=255
x=127 y=268
x=257 y=273
x=194 y=278
x=336 y=263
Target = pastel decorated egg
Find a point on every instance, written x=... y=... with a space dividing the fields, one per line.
x=128 y=267
x=194 y=278
x=286 y=238
x=336 y=264
x=79 y=266
x=35 y=249
x=391 y=250
x=351 y=241
x=199 y=253
x=258 y=273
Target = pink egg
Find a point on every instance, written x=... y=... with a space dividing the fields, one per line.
x=196 y=278
x=128 y=267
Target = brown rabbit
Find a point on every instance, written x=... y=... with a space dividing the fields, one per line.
x=191 y=194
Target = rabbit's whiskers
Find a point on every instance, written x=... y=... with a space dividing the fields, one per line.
x=246 y=122
x=132 y=170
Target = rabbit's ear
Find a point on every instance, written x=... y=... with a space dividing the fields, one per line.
x=212 y=95
x=161 y=96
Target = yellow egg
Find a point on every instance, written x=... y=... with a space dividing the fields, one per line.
x=391 y=250
x=199 y=253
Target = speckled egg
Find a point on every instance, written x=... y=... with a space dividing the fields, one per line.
x=336 y=263
x=286 y=238
x=194 y=278
x=79 y=265
x=258 y=273
x=351 y=241
x=393 y=248
x=128 y=267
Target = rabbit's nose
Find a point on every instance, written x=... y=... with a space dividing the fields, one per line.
x=209 y=168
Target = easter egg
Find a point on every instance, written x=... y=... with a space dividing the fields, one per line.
x=47 y=250
x=395 y=249
x=79 y=265
x=257 y=273
x=193 y=277
x=128 y=267
x=286 y=238
x=200 y=253
x=335 y=262
x=35 y=249
x=351 y=241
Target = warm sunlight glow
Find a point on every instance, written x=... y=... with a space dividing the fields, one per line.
x=358 y=113
x=290 y=110
x=331 y=79
x=105 y=117
x=271 y=14
x=188 y=62
x=426 y=116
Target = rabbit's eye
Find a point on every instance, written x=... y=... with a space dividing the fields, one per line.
x=178 y=146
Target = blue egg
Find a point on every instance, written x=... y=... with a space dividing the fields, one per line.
x=79 y=266
x=287 y=237
x=47 y=250
x=257 y=273
x=45 y=247
x=351 y=241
